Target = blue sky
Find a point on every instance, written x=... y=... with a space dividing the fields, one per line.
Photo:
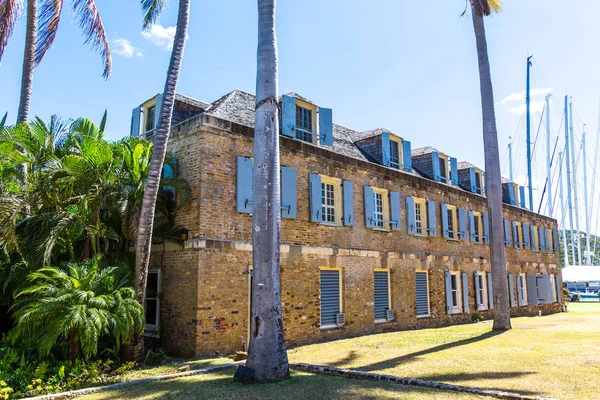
x=408 y=66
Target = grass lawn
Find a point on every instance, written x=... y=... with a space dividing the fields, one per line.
x=171 y=365
x=553 y=356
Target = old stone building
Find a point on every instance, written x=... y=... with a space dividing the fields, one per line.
x=375 y=236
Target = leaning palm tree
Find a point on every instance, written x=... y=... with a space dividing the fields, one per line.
x=481 y=8
x=38 y=39
x=152 y=11
x=266 y=352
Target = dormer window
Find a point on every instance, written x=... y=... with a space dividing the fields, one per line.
x=478 y=182
x=394 y=153
x=149 y=116
x=443 y=160
x=444 y=168
x=305 y=121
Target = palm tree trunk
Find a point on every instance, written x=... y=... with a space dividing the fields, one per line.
x=266 y=352
x=161 y=138
x=28 y=62
x=493 y=180
x=74 y=345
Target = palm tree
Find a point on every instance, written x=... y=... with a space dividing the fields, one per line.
x=266 y=352
x=152 y=11
x=79 y=304
x=481 y=8
x=39 y=39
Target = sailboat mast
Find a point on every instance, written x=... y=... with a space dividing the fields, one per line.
x=568 y=164
x=528 y=122
x=510 y=164
x=586 y=215
x=575 y=198
x=548 y=155
x=562 y=208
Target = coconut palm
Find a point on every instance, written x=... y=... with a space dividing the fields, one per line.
x=266 y=352
x=38 y=39
x=481 y=8
x=79 y=304
x=152 y=10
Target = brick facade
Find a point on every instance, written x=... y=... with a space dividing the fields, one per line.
x=204 y=300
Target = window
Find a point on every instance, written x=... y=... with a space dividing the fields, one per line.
x=381 y=209
x=331 y=299
x=478 y=182
x=395 y=159
x=420 y=217
x=152 y=301
x=522 y=289
x=535 y=238
x=149 y=117
x=444 y=170
x=452 y=222
x=516 y=192
x=478 y=227
x=422 y=293
x=382 y=294
x=304 y=124
x=481 y=287
x=331 y=189
x=455 y=292
x=549 y=241
x=519 y=238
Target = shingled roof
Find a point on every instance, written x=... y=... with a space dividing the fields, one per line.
x=191 y=101
x=368 y=134
x=464 y=165
x=422 y=150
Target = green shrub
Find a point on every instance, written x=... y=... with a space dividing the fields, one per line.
x=476 y=317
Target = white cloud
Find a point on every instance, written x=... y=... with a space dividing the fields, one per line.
x=123 y=47
x=160 y=36
x=515 y=102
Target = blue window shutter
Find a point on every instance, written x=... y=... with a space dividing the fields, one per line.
x=526 y=243
x=288 y=116
x=486 y=229
x=288 y=192
x=410 y=215
x=369 y=207
x=532 y=296
x=453 y=171
x=542 y=235
x=532 y=238
x=314 y=182
x=490 y=290
x=422 y=300
x=473 y=180
x=507 y=241
x=462 y=224
x=516 y=243
x=511 y=194
x=522 y=196
x=348 y=203
x=385 y=149
x=511 y=289
x=472 y=227
x=444 y=210
x=435 y=161
x=406 y=155
x=244 y=185
x=448 y=280
x=395 y=210
x=431 y=218
x=465 y=291
x=381 y=290
x=168 y=174
x=477 y=292
x=520 y=298
x=159 y=100
x=555 y=243
x=136 y=118
x=330 y=296
x=559 y=294
x=325 y=126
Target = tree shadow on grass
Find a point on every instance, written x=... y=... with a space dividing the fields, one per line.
x=412 y=356
x=465 y=379
x=346 y=360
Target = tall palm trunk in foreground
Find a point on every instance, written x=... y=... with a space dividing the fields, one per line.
x=161 y=138
x=492 y=167
x=266 y=352
x=28 y=61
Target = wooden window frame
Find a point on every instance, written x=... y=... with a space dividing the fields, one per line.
x=145 y=111
x=423 y=217
x=483 y=290
x=398 y=141
x=153 y=329
x=389 y=281
x=520 y=236
x=455 y=229
x=385 y=198
x=478 y=220
x=315 y=122
x=444 y=178
x=516 y=194
x=426 y=272
x=337 y=200
x=549 y=241
x=535 y=240
x=458 y=308
x=523 y=277
x=341 y=275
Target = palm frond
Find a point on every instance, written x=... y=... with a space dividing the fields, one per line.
x=93 y=29
x=9 y=13
x=49 y=19
x=486 y=7
x=103 y=121
x=152 y=10
x=3 y=120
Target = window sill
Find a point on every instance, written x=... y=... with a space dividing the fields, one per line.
x=382 y=321
x=382 y=230
x=420 y=235
x=331 y=224
x=152 y=332
x=423 y=316
x=452 y=239
x=482 y=308
x=329 y=327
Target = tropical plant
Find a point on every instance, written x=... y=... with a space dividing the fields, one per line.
x=479 y=9
x=79 y=304
x=38 y=39
x=152 y=10
x=266 y=352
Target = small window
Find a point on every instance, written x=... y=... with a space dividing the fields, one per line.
x=150 y=116
x=421 y=217
x=519 y=239
x=482 y=294
x=478 y=185
x=381 y=209
x=395 y=154
x=516 y=193
x=422 y=288
x=550 y=241
x=304 y=124
x=152 y=301
x=331 y=200
x=331 y=299
x=382 y=294
x=452 y=222
x=455 y=295
x=535 y=238
x=522 y=287
x=478 y=227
